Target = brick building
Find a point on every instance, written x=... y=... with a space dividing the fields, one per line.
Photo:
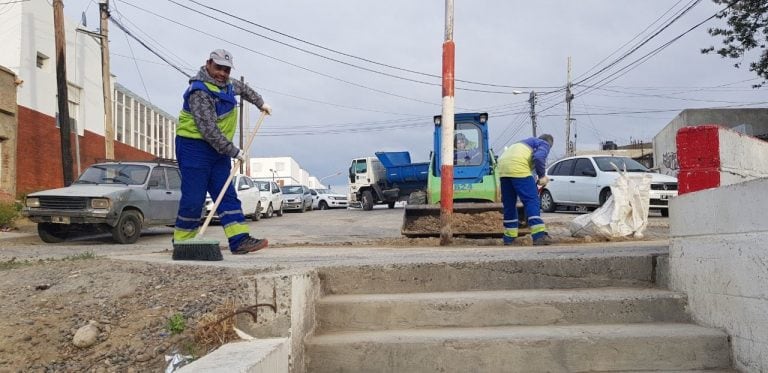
x=141 y=130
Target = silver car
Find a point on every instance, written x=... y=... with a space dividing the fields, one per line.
x=297 y=197
x=117 y=197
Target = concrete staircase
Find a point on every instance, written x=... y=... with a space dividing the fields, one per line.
x=566 y=313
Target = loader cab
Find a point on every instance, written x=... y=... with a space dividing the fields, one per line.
x=474 y=171
x=472 y=157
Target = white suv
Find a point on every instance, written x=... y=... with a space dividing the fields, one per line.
x=323 y=199
x=271 y=198
x=586 y=181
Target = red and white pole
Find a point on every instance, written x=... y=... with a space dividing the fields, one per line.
x=446 y=151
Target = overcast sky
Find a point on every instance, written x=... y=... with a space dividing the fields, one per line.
x=327 y=112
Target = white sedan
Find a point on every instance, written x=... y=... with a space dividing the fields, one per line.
x=247 y=193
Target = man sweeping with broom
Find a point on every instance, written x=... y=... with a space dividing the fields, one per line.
x=204 y=150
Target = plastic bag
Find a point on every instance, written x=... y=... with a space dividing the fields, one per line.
x=625 y=213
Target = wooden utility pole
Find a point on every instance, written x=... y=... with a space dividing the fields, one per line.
x=446 y=153
x=61 y=90
x=242 y=104
x=568 y=99
x=106 y=81
x=532 y=101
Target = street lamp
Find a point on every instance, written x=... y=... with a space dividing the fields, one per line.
x=273 y=173
x=532 y=101
x=337 y=173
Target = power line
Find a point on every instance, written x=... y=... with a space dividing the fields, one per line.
x=343 y=53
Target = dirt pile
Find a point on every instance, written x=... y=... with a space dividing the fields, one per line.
x=142 y=313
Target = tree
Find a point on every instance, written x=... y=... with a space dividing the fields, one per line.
x=748 y=22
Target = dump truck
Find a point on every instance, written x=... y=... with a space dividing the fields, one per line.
x=387 y=178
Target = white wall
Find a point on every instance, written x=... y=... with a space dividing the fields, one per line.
x=287 y=170
x=718 y=256
x=30 y=31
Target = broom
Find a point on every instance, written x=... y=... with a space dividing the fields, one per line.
x=199 y=248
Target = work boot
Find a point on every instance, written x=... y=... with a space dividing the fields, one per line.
x=249 y=245
x=544 y=240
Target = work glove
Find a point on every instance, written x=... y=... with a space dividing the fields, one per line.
x=543 y=181
x=266 y=109
x=241 y=156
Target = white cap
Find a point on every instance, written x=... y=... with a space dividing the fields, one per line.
x=222 y=58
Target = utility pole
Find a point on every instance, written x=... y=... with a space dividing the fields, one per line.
x=242 y=103
x=568 y=99
x=446 y=153
x=106 y=81
x=61 y=90
x=532 y=101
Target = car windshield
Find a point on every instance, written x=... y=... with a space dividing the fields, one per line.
x=128 y=174
x=263 y=186
x=293 y=189
x=604 y=164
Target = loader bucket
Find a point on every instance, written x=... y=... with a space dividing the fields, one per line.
x=471 y=220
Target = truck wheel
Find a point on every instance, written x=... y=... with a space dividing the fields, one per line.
x=391 y=205
x=322 y=205
x=257 y=214
x=417 y=198
x=52 y=233
x=367 y=200
x=128 y=228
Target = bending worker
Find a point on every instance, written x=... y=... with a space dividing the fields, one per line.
x=515 y=170
x=205 y=150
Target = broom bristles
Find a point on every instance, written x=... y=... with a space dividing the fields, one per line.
x=197 y=250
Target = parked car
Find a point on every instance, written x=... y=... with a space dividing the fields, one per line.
x=585 y=181
x=324 y=199
x=247 y=193
x=271 y=198
x=116 y=197
x=297 y=197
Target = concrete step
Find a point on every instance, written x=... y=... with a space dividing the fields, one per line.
x=566 y=348
x=555 y=270
x=499 y=308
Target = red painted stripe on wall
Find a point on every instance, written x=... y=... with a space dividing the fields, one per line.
x=698 y=154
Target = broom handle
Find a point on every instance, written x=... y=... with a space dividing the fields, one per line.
x=235 y=167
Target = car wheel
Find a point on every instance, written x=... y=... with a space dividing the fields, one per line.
x=257 y=214
x=128 y=228
x=322 y=205
x=303 y=207
x=391 y=205
x=664 y=212
x=311 y=206
x=52 y=233
x=367 y=200
x=269 y=212
x=604 y=195
x=279 y=211
x=547 y=202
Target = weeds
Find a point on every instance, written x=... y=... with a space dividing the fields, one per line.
x=176 y=324
x=9 y=212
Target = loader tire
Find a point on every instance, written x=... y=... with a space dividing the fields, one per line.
x=367 y=200
x=417 y=198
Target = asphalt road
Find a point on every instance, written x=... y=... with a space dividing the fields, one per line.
x=343 y=227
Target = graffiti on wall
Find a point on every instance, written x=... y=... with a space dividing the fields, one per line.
x=669 y=160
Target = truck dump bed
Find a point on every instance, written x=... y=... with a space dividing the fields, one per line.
x=400 y=170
